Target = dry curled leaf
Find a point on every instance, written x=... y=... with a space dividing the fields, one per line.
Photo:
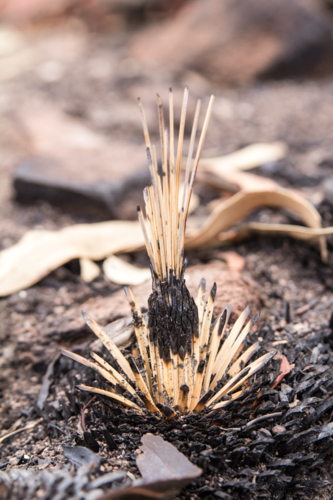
x=298 y=232
x=142 y=490
x=227 y=172
x=246 y=158
x=40 y=252
x=89 y=270
x=234 y=181
x=161 y=460
x=234 y=209
x=123 y=273
x=284 y=370
x=164 y=472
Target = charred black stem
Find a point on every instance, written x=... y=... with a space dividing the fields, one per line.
x=172 y=317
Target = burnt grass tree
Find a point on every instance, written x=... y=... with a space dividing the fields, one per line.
x=212 y=390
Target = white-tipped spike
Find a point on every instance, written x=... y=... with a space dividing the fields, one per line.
x=110 y=345
x=141 y=333
x=242 y=376
x=119 y=378
x=80 y=359
x=243 y=359
x=225 y=349
x=230 y=355
x=216 y=337
x=117 y=397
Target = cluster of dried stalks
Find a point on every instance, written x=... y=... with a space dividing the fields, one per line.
x=185 y=361
x=200 y=380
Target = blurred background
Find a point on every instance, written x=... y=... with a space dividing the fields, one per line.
x=71 y=70
x=72 y=151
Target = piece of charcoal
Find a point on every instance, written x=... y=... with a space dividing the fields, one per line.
x=254 y=456
x=310 y=484
x=197 y=447
x=269 y=473
x=90 y=442
x=242 y=485
x=282 y=462
x=326 y=406
x=262 y=440
x=109 y=440
x=326 y=431
x=247 y=472
x=236 y=455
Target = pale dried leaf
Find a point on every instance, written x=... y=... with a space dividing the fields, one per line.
x=226 y=172
x=235 y=181
x=89 y=270
x=40 y=252
x=234 y=209
x=246 y=158
x=161 y=460
x=123 y=273
x=266 y=229
x=164 y=472
x=284 y=370
x=194 y=203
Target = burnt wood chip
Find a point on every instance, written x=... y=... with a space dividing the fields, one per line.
x=224 y=496
x=112 y=445
x=90 y=442
x=80 y=456
x=282 y=463
x=242 y=485
x=326 y=406
x=326 y=431
x=310 y=484
x=164 y=472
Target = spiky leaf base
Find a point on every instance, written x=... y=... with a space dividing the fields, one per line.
x=186 y=361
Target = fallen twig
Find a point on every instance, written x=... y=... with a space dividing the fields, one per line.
x=26 y=428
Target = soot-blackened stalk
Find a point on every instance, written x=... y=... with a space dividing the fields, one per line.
x=172 y=316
